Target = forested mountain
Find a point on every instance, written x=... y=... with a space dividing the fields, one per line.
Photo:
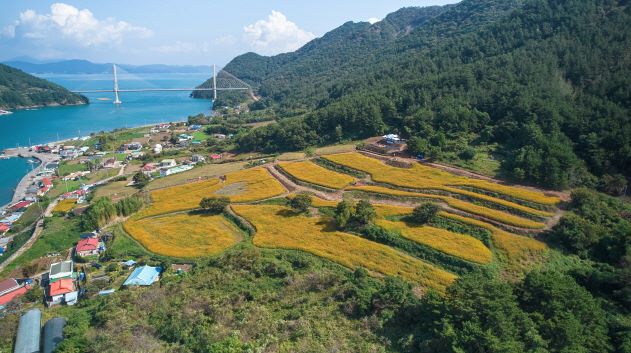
x=20 y=90
x=547 y=80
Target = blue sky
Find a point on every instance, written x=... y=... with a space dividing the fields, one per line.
x=175 y=32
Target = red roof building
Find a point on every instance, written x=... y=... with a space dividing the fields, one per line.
x=20 y=205
x=215 y=156
x=46 y=182
x=10 y=289
x=4 y=227
x=63 y=286
x=87 y=247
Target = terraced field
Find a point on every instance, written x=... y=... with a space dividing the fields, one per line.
x=424 y=177
x=470 y=232
x=310 y=172
x=183 y=235
x=499 y=216
x=242 y=186
x=278 y=227
x=459 y=245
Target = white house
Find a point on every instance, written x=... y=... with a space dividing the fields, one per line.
x=168 y=163
x=157 y=149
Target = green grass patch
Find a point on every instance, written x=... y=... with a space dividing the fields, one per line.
x=66 y=168
x=59 y=234
x=124 y=247
x=200 y=136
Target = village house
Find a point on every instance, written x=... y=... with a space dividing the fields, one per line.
x=44 y=185
x=215 y=157
x=11 y=289
x=143 y=276
x=198 y=158
x=20 y=206
x=157 y=149
x=168 y=163
x=148 y=169
x=179 y=169
x=88 y=247
x=4 y=228
x=62 y=291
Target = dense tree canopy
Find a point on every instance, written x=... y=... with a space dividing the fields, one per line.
x=19 y=89
x=548 y=80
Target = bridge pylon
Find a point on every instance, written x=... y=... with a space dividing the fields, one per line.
x=116 y=97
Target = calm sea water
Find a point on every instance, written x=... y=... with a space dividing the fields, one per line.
x=138 y=108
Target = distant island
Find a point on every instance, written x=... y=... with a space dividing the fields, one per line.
x=88 y=67
x=20 y=90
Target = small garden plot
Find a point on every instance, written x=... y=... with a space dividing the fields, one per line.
x=184 y=235
x=459 y=245
x=279 y=227
x=310 y=172
x=424 y=177
x=65 y=206
x=241 y=186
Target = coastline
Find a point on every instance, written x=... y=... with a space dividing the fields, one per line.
x=5 y=111
x=27 y=179
x=44 y=159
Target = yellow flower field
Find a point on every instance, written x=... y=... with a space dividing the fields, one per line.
x=520 y=251
x=241 y=186
x=424 y=177
x=183 y=235
x=278 y=227
x=310 y=172
x=489 y=213
x=65 y=206
x=459 y=245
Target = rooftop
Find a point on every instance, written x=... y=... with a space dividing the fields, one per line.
x=60 y=267
x=87 y=244
x=143 y=276
x=60 y=287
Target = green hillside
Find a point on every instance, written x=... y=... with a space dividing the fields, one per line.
x=547 y=81
x=20 y=90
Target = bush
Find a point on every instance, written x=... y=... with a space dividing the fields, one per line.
x=301 y=203
x=425 y=213
x=364 y=213
x=214 y=205
x=343 y=214
x=140 y=179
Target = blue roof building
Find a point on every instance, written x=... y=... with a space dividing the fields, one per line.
x=143 y=276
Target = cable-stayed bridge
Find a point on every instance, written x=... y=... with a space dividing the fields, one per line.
x=222 y=81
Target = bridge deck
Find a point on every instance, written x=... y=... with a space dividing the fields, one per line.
x=160 y=89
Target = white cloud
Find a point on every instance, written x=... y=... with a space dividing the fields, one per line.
x=275 y=35
x=373 y=20
x=66 y=25
x=183 y=47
